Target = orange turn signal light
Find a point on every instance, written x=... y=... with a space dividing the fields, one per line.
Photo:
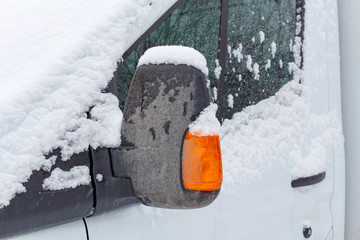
x=201 y=162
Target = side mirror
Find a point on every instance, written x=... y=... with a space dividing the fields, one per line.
x=168 y=165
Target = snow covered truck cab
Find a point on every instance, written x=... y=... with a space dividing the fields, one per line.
x=120 y=103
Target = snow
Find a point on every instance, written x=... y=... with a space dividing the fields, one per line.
x=206 y=124
x=256 y=71
x=230 y=100
x=59 y=179
x=248 y=63
x=273 y=49
x=280 y=63
x=237 y=52
x=262 y=36
x=268 y=64
x=215 y=93
x=217 y=70
x=99 y=177
x=174 y=55
x=278 y=129
x=56 y=58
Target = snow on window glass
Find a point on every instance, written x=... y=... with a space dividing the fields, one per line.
x=194 y=24
x=281 y=129
x=257 y=26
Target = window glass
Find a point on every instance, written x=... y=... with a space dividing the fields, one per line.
x=194 y=24
x=260 y=38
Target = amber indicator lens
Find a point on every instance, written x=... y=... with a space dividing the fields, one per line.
x=201 y=163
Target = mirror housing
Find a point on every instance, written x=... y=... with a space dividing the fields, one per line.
x=163 y=101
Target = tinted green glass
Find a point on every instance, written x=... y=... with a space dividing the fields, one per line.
x=194 y=24
x=260 y=33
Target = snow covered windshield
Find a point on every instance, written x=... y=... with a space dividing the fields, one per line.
x=56 y=57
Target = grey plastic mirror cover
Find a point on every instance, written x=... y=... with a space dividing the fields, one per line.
x=162 y=101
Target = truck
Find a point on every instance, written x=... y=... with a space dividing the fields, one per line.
x=181 y=119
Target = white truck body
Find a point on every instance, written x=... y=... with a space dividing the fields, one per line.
x=262 y=204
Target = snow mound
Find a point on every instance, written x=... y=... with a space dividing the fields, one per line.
x=280 y=128
x=174 y=55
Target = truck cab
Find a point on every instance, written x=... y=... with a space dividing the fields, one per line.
x=89 y=165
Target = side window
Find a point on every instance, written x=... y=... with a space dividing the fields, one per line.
x=194 y=24
x=259 y=50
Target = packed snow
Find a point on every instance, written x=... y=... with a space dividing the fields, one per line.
x=56 y=59
x=206 y=124
x=174 y=55
x=59 y=179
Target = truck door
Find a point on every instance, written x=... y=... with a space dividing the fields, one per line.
x=278 y=166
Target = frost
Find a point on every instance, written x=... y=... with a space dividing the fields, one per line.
x=262 y=36
x=273 y=49
x=217 y=70
x=249 y=63
x=256 y=71
x=206 y=124
x=59 y=179
x=230 y=100
x=174 y=55
x=268 y=64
